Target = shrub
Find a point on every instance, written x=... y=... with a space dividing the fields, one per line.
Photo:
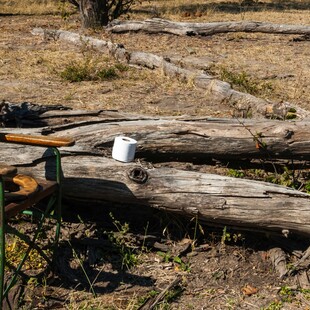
x=88 y=71
x=75 y=72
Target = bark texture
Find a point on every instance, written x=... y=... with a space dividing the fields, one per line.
x=94 y=13
x=92 y=176
x=158 y=25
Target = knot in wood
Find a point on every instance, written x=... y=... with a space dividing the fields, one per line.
x=138 y=175
x=288 y=134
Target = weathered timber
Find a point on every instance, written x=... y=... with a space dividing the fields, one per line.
x=219 y=91
x=213 y=199
x=92 y=176
x=182 y=139
x=32 y=115
x=158 y=25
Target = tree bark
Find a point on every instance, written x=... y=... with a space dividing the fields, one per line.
x=94 y=13
x=157 y=25
x=162 y=139
x=92 y=176
x=213 y=199
x=242 y=104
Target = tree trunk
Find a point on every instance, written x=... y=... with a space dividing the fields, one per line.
x=94 y=13
x=157 y=25
x=92 y=176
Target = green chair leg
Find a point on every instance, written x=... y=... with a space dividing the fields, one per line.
x=54 y=203
x=58 y=208
x=2 y=241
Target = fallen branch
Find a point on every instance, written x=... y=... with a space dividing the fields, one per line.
x=213 y=199
x=153 y=302
x=278 y=259
x=218 y=90
x=182 y=138
x=158 y=25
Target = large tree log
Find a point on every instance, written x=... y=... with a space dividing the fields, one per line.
x=182 y=138
x=92 y=177
x=213 y=199
x=218 y=90
x=158 y=25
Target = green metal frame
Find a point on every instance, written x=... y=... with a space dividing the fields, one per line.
x=53 y=210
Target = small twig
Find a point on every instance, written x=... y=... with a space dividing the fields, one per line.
x=257 y=138
x=251 y=305
x=303 y=263
x=150 y=304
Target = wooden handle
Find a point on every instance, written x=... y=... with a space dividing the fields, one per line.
x=27 y=186
x=36 y=140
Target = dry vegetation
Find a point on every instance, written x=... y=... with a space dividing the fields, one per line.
x=31 y=67
x=274 y=66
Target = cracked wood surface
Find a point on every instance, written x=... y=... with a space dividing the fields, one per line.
x=92 y=176
x=158 y=25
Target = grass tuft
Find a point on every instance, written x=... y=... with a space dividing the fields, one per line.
x=76 y=72
x=87 y=70
x=245 y=83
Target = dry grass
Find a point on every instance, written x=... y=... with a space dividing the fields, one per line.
x=30 y=66
x=35 y=7
x=279 y=11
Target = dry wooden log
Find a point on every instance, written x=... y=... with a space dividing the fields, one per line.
x=32 y=115
x=165 y=139
x=213 y=199
x=185 y=140
x=218 y=90
x=158 y=25
x=92 y=176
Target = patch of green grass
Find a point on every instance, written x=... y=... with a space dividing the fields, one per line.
x=282 y=175
x=126 y=252
x=275 y=305
x=89 y=70
x=179 y=263
x=287 y=294
x=245 y=83
x=121 y=67
x=235 y=173
x=77 y=72
x=231 y=237
x=286 y=178
x=307 y=187
x=107 y=73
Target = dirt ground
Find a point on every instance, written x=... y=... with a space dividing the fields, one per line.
x=213 y=268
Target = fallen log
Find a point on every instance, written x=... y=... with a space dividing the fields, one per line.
x=158 y=25
x=91 y=176
x=182 y=138
x=244 y=103
x=213 y=199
